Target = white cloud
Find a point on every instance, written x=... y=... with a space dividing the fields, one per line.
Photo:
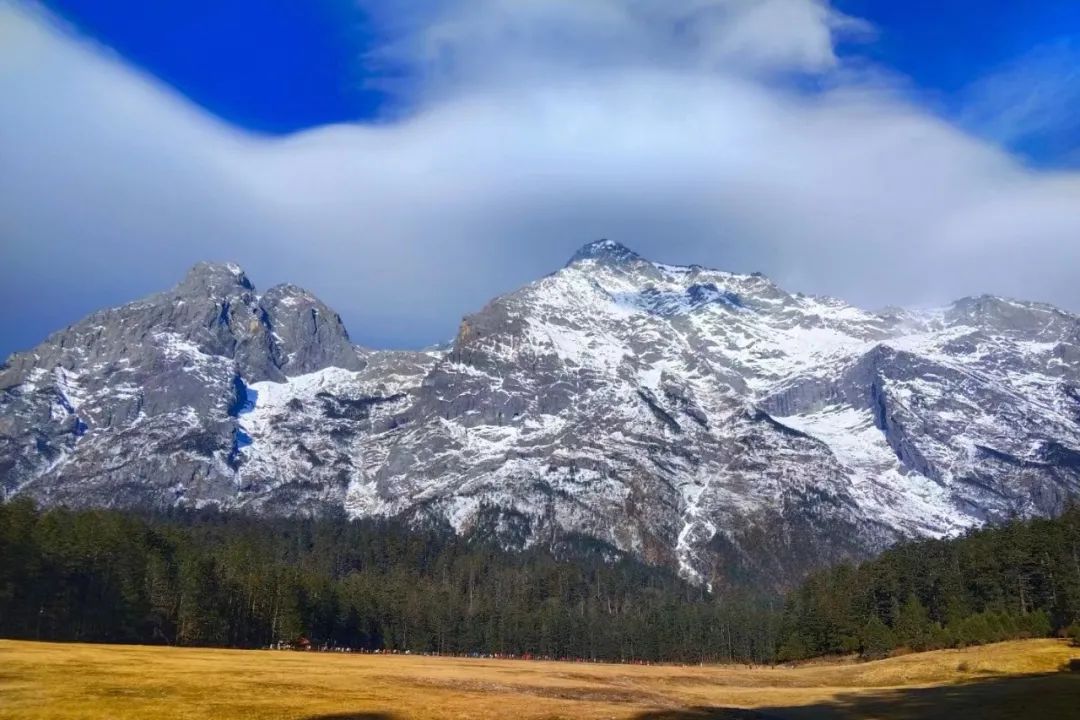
x=541 y=126
x=466 y=43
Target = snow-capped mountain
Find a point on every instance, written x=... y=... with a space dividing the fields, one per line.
x=690 y=416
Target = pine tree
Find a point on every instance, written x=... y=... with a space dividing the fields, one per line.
x=912 y=627
x=877 y=639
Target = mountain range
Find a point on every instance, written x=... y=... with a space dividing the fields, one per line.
x=701 y=419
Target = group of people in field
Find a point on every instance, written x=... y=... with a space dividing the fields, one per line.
x=304 y=644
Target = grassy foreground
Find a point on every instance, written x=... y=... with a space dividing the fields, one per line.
x=62 y=681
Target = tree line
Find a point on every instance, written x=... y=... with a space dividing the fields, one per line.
x=215 y=579
x=1020 y=579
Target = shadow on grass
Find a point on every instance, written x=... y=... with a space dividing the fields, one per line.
x=706 y=713
x=1051 y=696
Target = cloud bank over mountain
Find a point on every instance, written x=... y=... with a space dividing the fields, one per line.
x=725 y=131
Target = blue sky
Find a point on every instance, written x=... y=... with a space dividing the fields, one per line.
x=271 y=67
x=947 y=45
x=407 y=161
x=951 y=50
x=290 y=65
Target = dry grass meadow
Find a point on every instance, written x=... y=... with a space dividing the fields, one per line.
x=65 y=681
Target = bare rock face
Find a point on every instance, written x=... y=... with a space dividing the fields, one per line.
x=692 y=417
x=138 y=405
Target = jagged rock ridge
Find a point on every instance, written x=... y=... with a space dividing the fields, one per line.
x=695 y=417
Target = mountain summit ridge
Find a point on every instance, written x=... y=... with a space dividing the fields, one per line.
x=604 y=250
x=693 y=417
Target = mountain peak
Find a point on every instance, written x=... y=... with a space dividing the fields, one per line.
x=604 y=250
x=216 y=278
x=288 y=290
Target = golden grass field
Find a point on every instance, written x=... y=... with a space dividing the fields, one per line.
x=1022 y=679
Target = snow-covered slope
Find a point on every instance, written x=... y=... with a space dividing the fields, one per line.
x=694 y=417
